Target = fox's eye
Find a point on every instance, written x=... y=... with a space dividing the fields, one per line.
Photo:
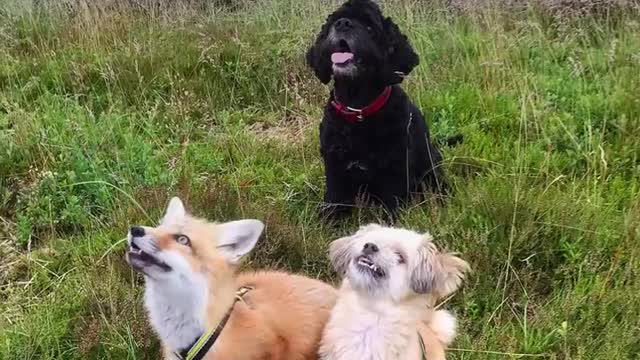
x=400 y=258
x=183 y=239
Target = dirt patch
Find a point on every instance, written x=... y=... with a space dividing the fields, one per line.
x=291 y=130
x=9 y=265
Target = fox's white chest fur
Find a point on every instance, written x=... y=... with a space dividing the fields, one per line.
x=176 y=310
x=369 y=331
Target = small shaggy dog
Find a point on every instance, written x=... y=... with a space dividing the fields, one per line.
x=202 y=309
x=373 y=139
x=385 y=308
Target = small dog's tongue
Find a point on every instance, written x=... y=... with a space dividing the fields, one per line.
x=341 y=57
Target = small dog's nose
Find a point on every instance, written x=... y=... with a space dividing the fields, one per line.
x=343 y=24
x=136 y=231
x=370 y=248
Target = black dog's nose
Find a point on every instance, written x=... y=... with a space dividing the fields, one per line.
x=343 y=24
x=136 y=231
x=370 y=248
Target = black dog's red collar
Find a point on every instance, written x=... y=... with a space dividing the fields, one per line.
x=355 y=115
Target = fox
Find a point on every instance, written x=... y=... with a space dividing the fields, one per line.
x=200 y=305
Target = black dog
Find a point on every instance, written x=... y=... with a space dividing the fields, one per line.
x=373 y=139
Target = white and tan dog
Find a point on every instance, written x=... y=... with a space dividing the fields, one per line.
x=201 y=309
x=385 y=308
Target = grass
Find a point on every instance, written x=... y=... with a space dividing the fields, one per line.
x=106 y=114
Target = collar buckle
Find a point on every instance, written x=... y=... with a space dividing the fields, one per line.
x=358 y=113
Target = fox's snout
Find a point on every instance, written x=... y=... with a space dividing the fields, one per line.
x=144 y=252
x=136 y=231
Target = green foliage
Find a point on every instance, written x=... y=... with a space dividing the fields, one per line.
x=102 y=121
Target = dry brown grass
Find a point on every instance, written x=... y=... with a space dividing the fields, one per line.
x=560 y=7
x=89 y=10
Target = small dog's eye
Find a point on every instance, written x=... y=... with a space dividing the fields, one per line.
x=183 y=239
x=369 y=29
x=400 y=258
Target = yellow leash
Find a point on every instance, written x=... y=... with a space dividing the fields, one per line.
x=203 y=344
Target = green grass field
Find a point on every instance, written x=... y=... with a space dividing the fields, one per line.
x=107 y=114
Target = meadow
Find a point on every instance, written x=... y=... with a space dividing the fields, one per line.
x=108 y=111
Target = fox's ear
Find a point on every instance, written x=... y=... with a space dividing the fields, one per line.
x=175 y=213
x=238 y=238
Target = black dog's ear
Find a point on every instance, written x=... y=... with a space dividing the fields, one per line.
x=401 y=57
x=320 y=67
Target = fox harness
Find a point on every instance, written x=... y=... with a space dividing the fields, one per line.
x=201 y=345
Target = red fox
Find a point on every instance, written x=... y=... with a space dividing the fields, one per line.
x=201 y=309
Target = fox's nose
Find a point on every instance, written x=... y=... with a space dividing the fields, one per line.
x=343 y=24
x=136 y=231
x=370 y=249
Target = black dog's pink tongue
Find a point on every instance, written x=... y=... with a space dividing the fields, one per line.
x=341 y=57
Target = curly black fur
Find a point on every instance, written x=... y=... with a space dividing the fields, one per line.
x=388 y=156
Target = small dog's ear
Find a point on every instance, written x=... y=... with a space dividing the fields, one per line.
x=452 y=272
x=401 y=58
x=340 y=254
x=423 y=273
x=436 y=273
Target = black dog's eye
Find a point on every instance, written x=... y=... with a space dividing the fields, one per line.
x=400 y=258
x=183 y=239
x=369 y=29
